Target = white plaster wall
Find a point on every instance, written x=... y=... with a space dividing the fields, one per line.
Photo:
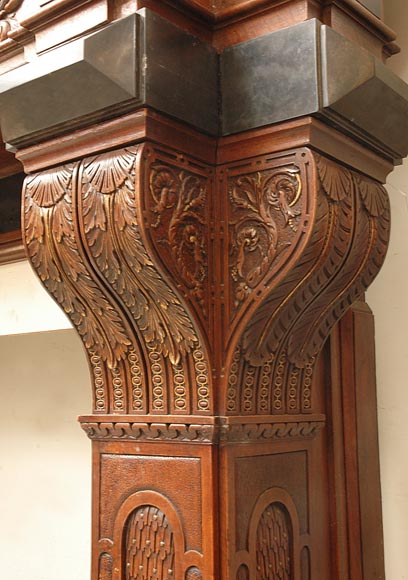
x=24 y=304
x=388 y=298
x=45 y=458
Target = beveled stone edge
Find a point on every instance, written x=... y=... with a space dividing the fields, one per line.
x=324 y=114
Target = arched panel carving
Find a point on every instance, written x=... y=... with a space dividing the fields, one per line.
x=243 y=573
x=273 y=539
x=105 y=567
x=194 y=573
x=149 y=540
x=274 y=550
x=149 y=549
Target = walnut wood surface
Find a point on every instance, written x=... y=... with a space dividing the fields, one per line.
x=204 y=296
x=211 y=281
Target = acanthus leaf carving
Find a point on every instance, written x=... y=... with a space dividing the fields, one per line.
x=59 y=264
x=112 y=232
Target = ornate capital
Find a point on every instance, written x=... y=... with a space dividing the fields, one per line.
x=154 y=260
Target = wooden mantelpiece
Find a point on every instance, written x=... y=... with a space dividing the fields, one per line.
x=211 y=243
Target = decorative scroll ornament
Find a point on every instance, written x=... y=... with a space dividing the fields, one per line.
x=273 y=545
x=265 y=218
x=271 y=431
x=149 y=545
x=143 y=431
x=179 y=209
x=345 y=236
x=8 y=9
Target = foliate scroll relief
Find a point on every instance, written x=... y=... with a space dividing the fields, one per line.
x=8 y=9
x=265 y=210
x=179 y=222
x=273 y=545
x=345 y=240
x=149 y=545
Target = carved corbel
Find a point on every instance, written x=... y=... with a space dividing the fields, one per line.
x=91 y=241
x=306 y=238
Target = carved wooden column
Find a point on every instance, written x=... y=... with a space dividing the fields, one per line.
x=205 y=222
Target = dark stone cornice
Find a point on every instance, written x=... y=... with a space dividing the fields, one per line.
x=145 y=61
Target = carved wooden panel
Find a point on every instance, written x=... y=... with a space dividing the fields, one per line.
x=276 y=521
x=273 y=545
x=149 y=545
x=152 y=505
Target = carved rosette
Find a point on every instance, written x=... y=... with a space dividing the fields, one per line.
x=8 y=9
x=333 y=231
x=85 y=238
